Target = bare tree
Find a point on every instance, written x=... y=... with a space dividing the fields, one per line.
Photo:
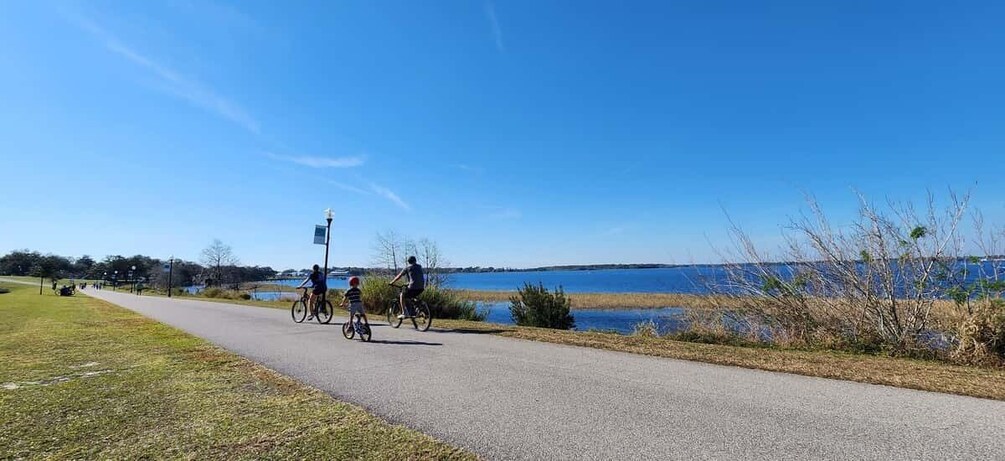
x=389 y=248
x=392 y=250
x=216 y=256
x=431 y=258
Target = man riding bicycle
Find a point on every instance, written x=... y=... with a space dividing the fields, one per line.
x=320 y=284
x=416 y=284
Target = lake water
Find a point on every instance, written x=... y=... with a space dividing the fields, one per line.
x=667 y=319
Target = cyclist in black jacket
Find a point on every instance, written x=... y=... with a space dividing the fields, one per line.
x=318 y=281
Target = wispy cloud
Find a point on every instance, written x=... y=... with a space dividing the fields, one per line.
x=189 y=89
x=390 y=195
x=347 y=187
x=490 y=13
x=320 y=162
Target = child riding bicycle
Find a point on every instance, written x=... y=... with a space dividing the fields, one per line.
x=354 y=299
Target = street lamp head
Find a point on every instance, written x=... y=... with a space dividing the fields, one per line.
x=329 y=214
x=133 y=267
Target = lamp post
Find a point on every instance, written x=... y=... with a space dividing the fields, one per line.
x=170 y=270
x=115 y=281
x=132 y=281
x=329 y=214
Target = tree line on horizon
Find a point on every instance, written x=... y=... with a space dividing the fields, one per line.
x=217 y=268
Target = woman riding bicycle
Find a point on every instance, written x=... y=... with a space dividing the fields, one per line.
x=317 y=280
x=416 y=284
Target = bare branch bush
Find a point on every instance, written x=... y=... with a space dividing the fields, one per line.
x=870 y=285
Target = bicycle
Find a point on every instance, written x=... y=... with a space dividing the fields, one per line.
x=322 y=310
x=356 y=326
x=416 y=305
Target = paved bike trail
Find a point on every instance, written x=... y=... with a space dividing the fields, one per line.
x=512 y=399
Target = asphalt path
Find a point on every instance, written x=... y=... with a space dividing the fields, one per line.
x=513 y=399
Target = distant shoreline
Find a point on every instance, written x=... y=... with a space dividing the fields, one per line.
x=350 y=270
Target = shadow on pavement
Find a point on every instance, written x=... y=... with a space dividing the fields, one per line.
x=404 y=343
x=468 y=331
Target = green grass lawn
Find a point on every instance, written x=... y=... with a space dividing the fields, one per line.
x=80 y=378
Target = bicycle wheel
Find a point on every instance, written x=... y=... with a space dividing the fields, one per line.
x=423 y=318
x=364 y=332
x=298 y=311
x=325 y=312
x=347 y=329
x=392 y=315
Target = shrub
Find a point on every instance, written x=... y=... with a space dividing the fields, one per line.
x=214 y=293
x=378 y=296
x=446 y=304
x=220 y=293
x=4 y=290
x=646 y=329
x=881 y=283
x=534 y=306
x=981 y=335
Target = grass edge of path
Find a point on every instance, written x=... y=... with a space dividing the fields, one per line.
x=85 y=378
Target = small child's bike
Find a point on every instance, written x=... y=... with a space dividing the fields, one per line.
x=356 y=326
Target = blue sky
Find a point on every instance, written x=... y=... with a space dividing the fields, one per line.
x=514 y=133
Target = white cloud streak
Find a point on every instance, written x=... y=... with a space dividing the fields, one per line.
x=347 y=187
x=490 y=13
x=188 y=89
x=390 y=195
x=320 y=162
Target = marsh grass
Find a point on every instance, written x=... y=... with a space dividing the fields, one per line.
x=84 y=379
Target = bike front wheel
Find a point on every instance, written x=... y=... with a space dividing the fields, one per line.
x=325 y=312
x=423 y=317
x=392 y=315
x=347 y=330
x=298 y=311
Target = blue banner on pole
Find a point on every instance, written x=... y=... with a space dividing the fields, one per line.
x=319 y=235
